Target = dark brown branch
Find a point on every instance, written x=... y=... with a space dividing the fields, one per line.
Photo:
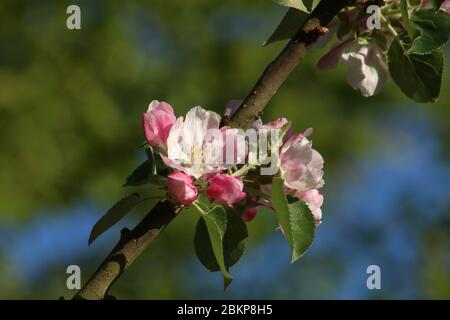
x=130 y=246
x=133 y=242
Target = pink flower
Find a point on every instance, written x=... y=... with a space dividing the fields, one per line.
x=181 y=188
x=195 y=144
x=225 y=190
x=300 y=165
x=277 y=124
x=367 y=69
x=157 y=122
x=235 y=150
x=276 y=132
x=314 y=201
x=249 y=214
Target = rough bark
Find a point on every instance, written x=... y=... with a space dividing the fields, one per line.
x=129 y=247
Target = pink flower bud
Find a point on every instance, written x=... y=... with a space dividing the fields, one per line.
x=225 y=190
x=157 y=122
x=181 y=188
x=250 y=214
x=314 y=201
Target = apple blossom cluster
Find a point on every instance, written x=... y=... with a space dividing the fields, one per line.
x=226 y=174
x=226 y=165
x=401 y=38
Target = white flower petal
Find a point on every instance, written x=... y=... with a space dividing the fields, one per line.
x=188 y=140
x=367 y=70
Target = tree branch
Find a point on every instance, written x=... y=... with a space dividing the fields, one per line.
x=279 y=69
x=132 y=243
x=129 y=247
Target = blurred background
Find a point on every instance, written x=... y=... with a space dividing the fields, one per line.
x=70 y=108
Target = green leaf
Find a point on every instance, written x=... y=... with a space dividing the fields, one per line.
x=297 y=4
x=147 y=172
x=215 y=223
x=434 y=29
x=343 y=30
x=140 y=175
x=295 y=219
x=289 y=25
x=302 y=227
x=113 y=215
x=152 y=171
x=281 y=207
x=293 y=20
x=234 y=242
x=303 y=5
x=418 y=76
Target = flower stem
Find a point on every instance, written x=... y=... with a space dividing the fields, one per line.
x=197 y=206
x=242 y=171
